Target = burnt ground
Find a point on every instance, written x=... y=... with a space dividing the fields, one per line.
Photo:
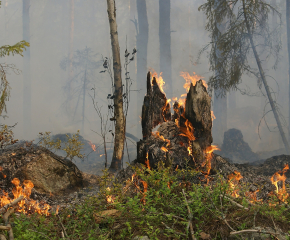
x=256 y=176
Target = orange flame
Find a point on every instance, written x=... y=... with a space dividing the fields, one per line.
x=26 y=204
x=187 y=131
x=282 y=193
x=233 y=180
x=147 y=161
x=159 y=80
x=212 y=116
x=93 y=146
x=164 y=149
x=191 y=79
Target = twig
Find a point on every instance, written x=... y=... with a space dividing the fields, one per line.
x=7 y=214
x=2 y=237
x=40 y=233
x=4 y=209
x=232 y=201
x=190 y=216
x=10 y=233
x=4 y=228
x=179 y=233
x=253 y=231
x=63 y=229
x=174 y=216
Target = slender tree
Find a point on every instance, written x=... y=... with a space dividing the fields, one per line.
x=119 y=137
x=26 y=71
x=142 y=46
x=165 y=44
x=84 y=64
x=71 y=53
x=247 y=24
x=288 y=46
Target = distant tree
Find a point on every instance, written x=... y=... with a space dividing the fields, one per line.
x=7 y=50
x=165 y=44
x=83 y=63
x=288 y=46
x=142 y=29
x=26 y=70
x=247 y=31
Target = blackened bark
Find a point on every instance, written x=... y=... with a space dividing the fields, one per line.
x=198 y=112
x=155 y=109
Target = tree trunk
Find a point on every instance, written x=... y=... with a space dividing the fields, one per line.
x=142 y=45
x=232 y=100
x=84 y=100
x=26 y=72
x=220 y=122
x=288 y=45
x=219 y=104
x=118 y=93
x=272 y=103
x=165 y=45
x=71 y=53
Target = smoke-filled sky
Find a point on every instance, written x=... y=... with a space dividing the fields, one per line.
x=50 y=44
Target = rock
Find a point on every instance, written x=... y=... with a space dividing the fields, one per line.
x=49 y=173
x=235 y=148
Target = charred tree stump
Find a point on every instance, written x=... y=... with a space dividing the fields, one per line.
x=182 y=137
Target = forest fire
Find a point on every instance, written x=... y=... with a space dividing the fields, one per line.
x=277 y=177
x=93 y=146
x=26 y=205
x=233 y=180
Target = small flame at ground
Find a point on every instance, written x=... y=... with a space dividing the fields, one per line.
x=282 y=193
x=26 y=205
x=233 y=180
x=164 y=149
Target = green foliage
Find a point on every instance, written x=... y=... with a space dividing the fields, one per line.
x=6 y=136
x=17 y=48
x=230 y=44
x=72 y=146
x=159 y=211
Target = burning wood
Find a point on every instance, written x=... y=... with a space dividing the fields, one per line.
x=186 y=132
x=25 y=205
x=277 y=177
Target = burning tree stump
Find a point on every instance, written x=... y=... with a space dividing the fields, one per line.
x=183 y=137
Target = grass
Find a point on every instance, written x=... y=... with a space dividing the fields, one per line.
x=158 y=205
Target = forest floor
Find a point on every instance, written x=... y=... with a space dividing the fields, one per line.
x=162 y=204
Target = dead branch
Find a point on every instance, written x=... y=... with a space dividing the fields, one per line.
x=7 y=214
x=179 y=233
x=10 y=233
x=2 y=237
x=174 y=216
x=235 y=203
x=63 y=228
x=253 y=231
x=4 y=209
x=190 y=217
x=4 y=228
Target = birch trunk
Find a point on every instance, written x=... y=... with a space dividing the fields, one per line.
x=118 y=93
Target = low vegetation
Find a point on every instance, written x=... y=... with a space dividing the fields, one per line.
x=155 y=203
